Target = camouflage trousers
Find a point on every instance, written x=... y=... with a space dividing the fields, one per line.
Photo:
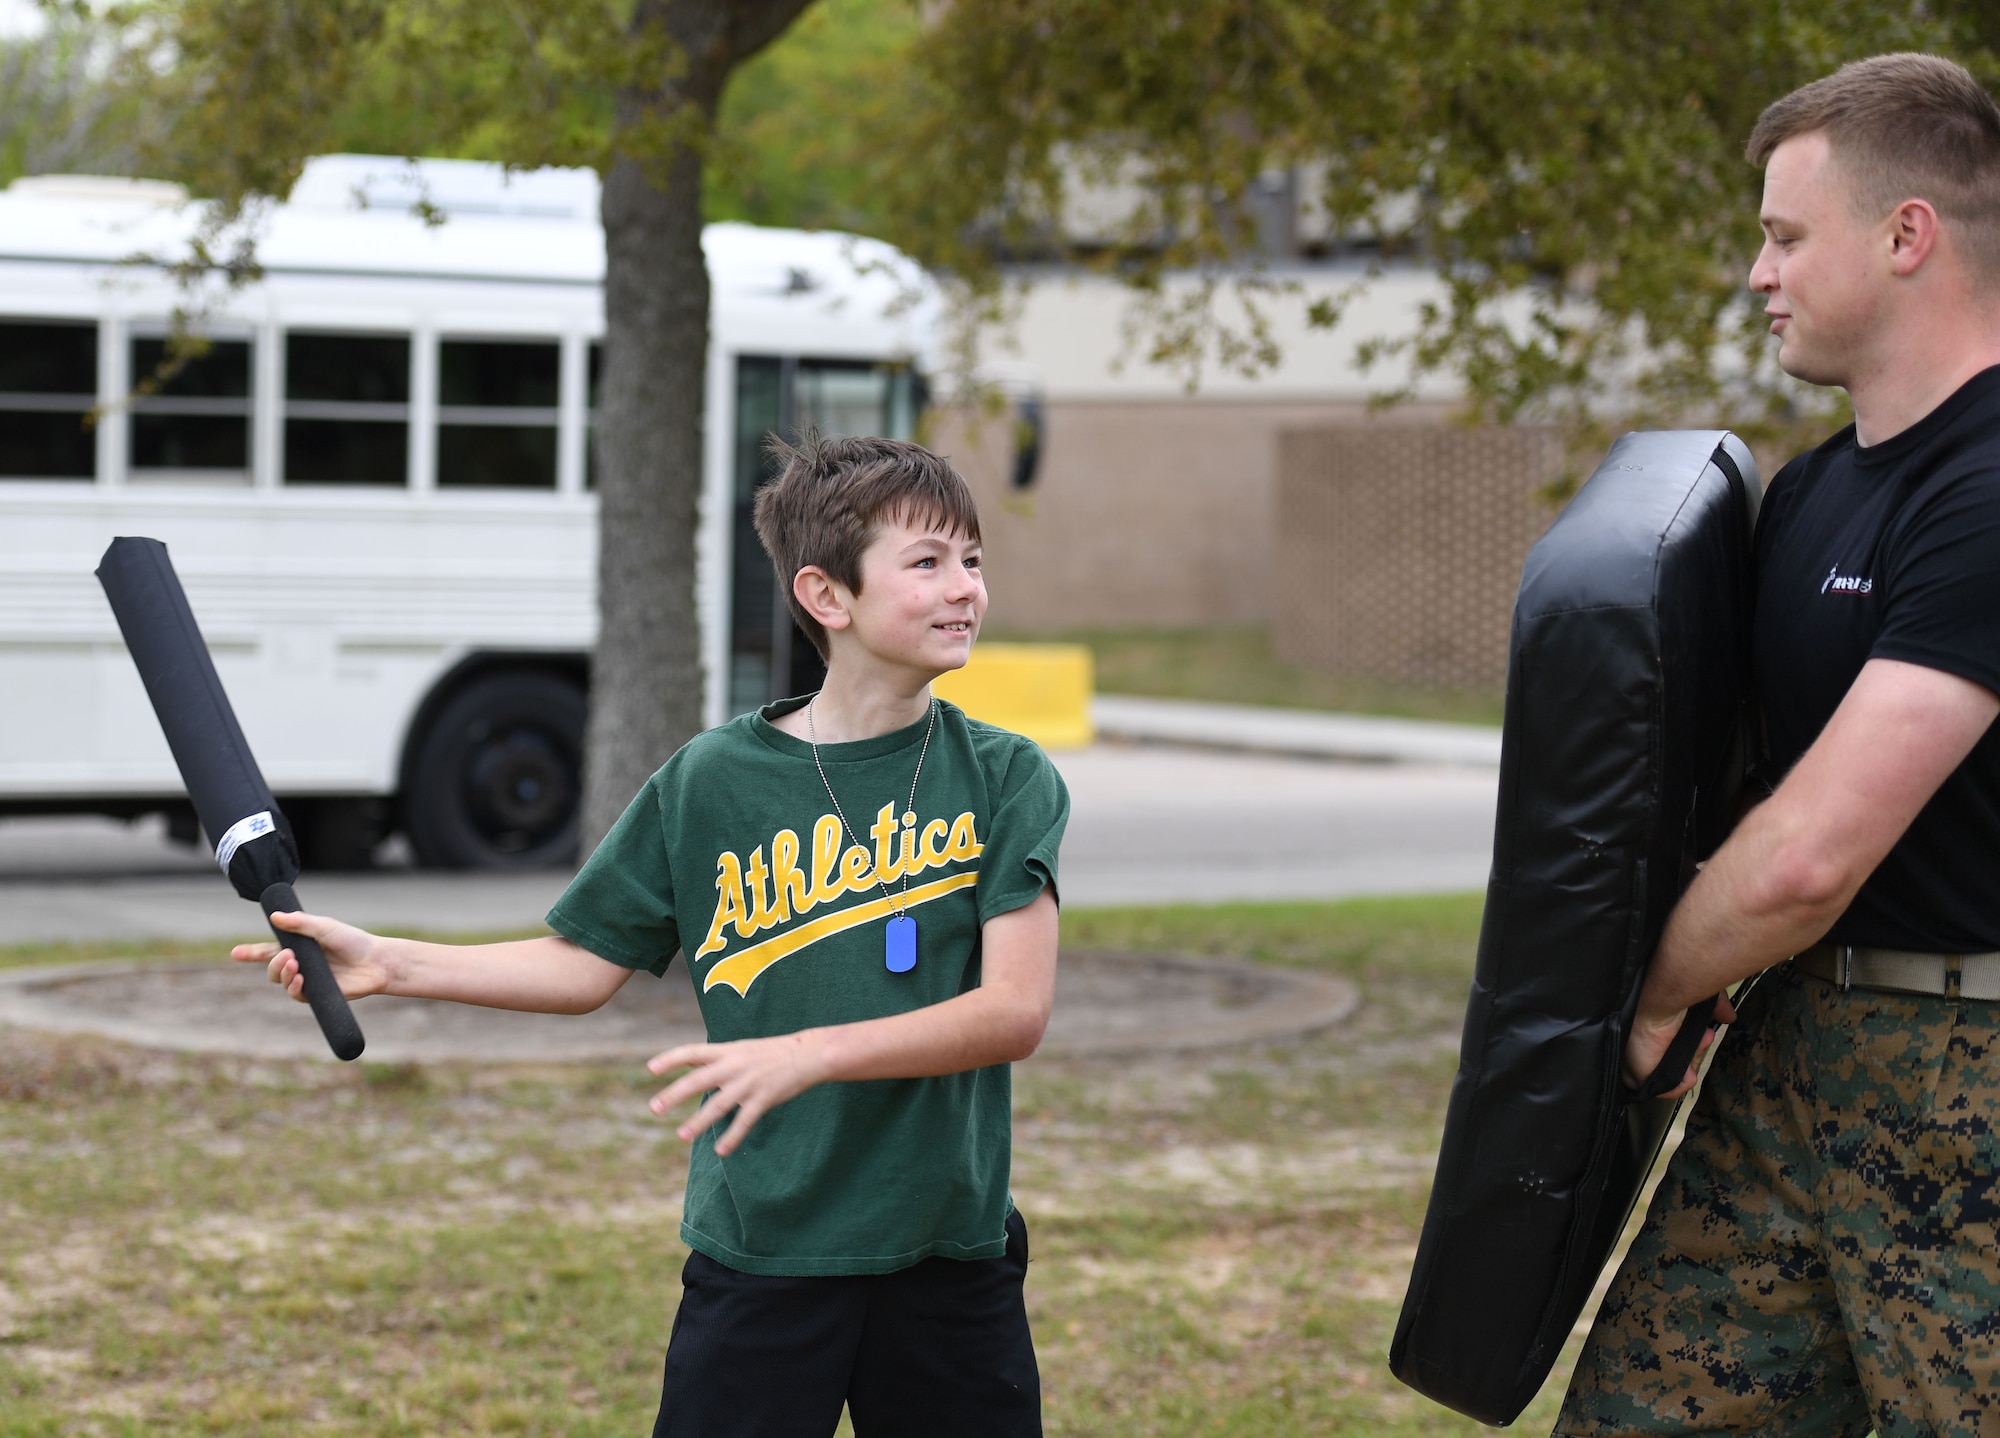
x=1820 y=1257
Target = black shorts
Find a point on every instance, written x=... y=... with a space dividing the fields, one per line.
x=937 y=1350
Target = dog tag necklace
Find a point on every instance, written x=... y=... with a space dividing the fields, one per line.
x=899 y=952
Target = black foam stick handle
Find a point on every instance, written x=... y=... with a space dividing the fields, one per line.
x=1680 y=1053
x=329 y=1004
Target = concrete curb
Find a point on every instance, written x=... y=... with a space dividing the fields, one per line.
x=1295 y=731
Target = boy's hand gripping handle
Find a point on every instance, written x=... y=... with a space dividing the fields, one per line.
x=329 y=1005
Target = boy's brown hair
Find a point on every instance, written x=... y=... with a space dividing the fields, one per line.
x=833 y=495
x=1901 y=127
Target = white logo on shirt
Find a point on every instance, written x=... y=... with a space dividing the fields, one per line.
x=1838 y=583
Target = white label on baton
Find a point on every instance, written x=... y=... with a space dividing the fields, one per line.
x=241 y=833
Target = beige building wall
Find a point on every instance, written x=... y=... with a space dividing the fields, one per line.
x=1146 y=513
x=1374 y=544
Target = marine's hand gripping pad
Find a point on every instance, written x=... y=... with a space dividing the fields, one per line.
x=1620 y=768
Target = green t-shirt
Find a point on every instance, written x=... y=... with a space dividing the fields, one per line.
x=733 y=855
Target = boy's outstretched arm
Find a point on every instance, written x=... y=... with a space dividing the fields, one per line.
x=1000 y=1021
x=548 y=975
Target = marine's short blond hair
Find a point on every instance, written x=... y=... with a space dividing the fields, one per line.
x=832 y=497
x=1903 y=127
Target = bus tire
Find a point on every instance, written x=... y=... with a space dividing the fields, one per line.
x=497 y=778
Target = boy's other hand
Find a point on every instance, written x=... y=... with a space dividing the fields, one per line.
x=751 y=1076
x=357 y=957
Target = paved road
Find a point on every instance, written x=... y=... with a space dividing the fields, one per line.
x=1151 y=824
x=1158 y=825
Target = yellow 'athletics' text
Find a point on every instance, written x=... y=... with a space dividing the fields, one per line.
x=762 y=895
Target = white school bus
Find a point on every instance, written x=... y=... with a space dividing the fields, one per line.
x=376 y=486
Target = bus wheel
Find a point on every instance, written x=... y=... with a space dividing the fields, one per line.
x=497 y=779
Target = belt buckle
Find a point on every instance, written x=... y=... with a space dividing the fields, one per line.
x=1844 y=965
x=1954 y=972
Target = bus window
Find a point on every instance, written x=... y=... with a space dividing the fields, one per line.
x=760 y=625
x=591 y=417
x=48 y=389
x=195 y=424
x=907 y=397
x=347 y=409
x=769 y=657
x=843 y=399
x=497 y=413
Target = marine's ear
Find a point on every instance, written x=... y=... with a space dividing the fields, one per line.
x=1913 y=235
x=822 y=596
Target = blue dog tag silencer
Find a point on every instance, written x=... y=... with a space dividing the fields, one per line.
x=900 y=954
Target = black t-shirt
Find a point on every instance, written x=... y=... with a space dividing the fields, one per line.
x=1893 y=552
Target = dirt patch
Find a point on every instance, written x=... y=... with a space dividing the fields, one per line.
x=1106 y=1002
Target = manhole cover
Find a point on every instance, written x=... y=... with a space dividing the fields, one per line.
x=1105 y=1003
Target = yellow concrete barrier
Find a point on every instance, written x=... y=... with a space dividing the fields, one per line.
x=1040 y=690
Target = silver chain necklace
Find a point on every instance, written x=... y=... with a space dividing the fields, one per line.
x=900 y=947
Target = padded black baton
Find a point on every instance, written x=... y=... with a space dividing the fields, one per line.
x=253 y=842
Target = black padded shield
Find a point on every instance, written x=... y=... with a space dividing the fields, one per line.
x=1621 y=766
x=223 y=780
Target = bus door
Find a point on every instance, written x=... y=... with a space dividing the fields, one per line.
x=769 y=657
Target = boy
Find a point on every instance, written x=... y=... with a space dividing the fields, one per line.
x=864 y=883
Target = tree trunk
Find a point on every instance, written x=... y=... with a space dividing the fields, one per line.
x=645 y=685
x=646 y=679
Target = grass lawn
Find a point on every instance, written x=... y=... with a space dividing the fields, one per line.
x=1237 y=666
x=206 y=1245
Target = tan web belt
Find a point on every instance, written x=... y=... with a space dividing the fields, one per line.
x=1953 y=976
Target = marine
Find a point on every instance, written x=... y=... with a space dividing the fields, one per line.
x=1820 y=1257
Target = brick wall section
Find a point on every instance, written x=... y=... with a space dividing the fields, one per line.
x=1147 y=514
x=1399 y=548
